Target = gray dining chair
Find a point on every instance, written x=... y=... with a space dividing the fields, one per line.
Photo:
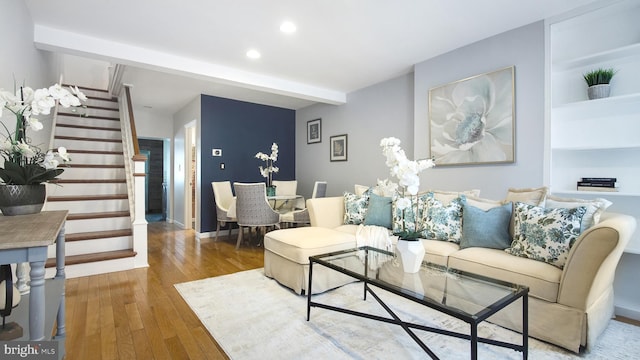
x=301 y=217
x=253 y=209
x=223 y=197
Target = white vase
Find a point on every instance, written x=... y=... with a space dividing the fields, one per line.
x=411 y=254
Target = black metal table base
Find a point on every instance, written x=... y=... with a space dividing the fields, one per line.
x=473 y=337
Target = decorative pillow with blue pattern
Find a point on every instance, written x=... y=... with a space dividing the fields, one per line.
x=545 y=234
x=440 y=221
x=355 y=207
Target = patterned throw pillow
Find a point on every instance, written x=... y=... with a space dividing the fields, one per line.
x=595 y=208
x=545 y=234
x=355 y=207
x=409 y=215
x=440 y=221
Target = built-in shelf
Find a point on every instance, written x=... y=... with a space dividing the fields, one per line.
x=598 y=104
x=595 y=193
x=616 y=53
x=597 y=147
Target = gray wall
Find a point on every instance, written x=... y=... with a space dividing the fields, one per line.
x=522 y=47
x=22 y=62
x=370 y=114
x=399 y=108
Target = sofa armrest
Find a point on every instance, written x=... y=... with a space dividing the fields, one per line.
x=327 y=212
x=591 y=265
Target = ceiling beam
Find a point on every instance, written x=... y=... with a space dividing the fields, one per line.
x=56 y=40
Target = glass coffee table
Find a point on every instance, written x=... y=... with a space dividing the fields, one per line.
x=468 y=297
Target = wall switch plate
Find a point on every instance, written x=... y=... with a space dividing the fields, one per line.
x=221 y=166
x=216 y=152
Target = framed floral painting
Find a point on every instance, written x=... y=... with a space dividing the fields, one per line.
x=472 y=121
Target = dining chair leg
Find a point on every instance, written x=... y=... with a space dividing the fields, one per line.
x=240 y=231
x=217 y=230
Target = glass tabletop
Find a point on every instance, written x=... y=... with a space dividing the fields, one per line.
x=463 y=295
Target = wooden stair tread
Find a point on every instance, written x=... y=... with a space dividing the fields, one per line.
x=64 y=137
x=88 y=181
x=99 y=166
x=95 y=257
x=88 y=116
x=87 y=127
x=88 y=197
x=97 y=215
x=92 y=235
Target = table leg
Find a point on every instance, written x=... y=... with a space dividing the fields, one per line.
x=525 y=326
x=309 y=290
x=474 y=341
x=36 y=301
x=60 y=274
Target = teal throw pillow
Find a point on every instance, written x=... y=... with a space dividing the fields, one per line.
x=379 y=211
x=545 y=234
x=486 y=228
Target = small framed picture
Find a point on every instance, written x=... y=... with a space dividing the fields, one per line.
x=314 y=131
x=338 y=148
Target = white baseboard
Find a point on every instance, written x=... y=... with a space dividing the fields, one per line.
x=627 y=312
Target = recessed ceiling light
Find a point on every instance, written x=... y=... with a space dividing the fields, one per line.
x=253 y=54
x=288 y=27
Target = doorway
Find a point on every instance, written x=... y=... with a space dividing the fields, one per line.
x=155 y=182
x=191 y=178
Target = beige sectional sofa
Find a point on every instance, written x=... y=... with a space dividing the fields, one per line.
x=568 y=306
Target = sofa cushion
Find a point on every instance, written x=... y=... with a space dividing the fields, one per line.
x=299 y=243
x=485 y=228
x=379 y=211
x=545 y=234
x=531 y=196
x=595 y=208
x=437 y=252
x=542 y=279
x=447 y=196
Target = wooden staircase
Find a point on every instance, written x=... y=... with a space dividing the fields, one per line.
x=93 y=188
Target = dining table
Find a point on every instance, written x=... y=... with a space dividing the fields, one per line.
x=279 y=203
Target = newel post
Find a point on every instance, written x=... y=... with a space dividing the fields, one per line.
x=139 y=226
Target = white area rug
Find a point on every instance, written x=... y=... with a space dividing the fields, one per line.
x=254 y=317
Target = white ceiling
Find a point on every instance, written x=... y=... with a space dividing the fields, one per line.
x=175 y=50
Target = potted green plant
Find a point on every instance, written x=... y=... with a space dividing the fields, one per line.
x=598 y=82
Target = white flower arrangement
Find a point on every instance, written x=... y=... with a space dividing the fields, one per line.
x=268 y=170
x=406 y=171
x=26 y=164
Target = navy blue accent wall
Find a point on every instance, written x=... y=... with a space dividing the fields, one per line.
x=241 y=129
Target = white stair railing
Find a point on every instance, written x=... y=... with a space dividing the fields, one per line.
x=135 y=171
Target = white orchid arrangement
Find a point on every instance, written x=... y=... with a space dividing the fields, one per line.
x=267 y=171
x=406 y=171
x=24 y=163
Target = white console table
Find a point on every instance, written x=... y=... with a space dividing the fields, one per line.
x=25 y=238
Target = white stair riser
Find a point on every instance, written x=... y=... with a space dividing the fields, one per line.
x=101 y=267
x=88 y=145
x=78 y=207
x=87 y=189
x=90 y=133
x=93 y=246
x=102 y=224
x=88 y=121
x=92 y=173
x=97 y=159
x=95 y=93
x=88 y=112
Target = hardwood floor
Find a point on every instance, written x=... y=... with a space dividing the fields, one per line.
x=138 y=314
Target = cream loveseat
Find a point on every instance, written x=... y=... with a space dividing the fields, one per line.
x=568 y=306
